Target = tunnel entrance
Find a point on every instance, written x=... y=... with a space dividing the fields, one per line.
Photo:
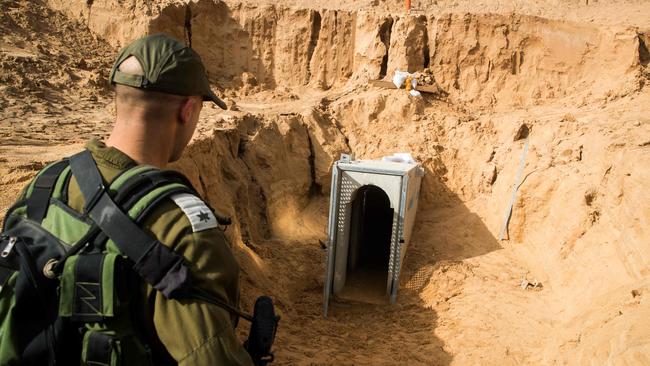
x=372 y=211
x=371 y=225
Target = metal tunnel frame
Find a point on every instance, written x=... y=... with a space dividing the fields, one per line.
x=348 y=175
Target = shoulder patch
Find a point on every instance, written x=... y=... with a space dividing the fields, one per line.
x=199 y=214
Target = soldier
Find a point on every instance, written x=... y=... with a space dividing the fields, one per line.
x=160 y=87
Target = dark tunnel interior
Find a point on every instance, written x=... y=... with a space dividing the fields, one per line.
x=370 y=236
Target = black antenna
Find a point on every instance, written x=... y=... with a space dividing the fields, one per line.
x=188 y=25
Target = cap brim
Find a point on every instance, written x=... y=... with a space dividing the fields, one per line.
x=213 y=97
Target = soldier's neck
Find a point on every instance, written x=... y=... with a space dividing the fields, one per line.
x=144 y=142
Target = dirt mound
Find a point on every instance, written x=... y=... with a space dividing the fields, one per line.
x=53 y=89
x=568 y=99
x=52 y=68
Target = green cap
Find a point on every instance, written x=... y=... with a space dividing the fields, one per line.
x=169 y=67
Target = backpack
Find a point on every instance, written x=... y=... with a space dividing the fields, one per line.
x=67 y=280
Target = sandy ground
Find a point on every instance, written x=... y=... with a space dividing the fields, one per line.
x=295 y=74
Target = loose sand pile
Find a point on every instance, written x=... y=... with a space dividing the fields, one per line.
x=568 y=81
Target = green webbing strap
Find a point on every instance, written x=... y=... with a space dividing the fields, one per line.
x=119 y=182
x=61 y=183
x=158 y=265
x=141 y=204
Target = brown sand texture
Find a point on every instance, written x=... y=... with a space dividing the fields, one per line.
x=567 y=79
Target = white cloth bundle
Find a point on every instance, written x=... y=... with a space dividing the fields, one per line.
x=400 y=77
x=399 y=158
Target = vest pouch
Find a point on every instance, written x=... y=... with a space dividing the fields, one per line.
x=90 y=287
x=113 y=348
x=30 y=331
x=101 y=348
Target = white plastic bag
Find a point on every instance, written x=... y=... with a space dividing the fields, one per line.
x=399 y=158
x=400 y=77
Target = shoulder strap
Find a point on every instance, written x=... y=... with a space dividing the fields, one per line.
x=158 y=265
x=158 y=178
x=39 y=200
x=134 y=189
x=140 y=185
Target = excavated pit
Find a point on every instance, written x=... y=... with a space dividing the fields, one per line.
x=271 y=172
x=578 y=226
x=456 y=268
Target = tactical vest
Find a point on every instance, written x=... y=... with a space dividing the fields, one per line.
x=71 y=283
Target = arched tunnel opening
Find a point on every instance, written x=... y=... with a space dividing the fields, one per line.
x=371 y=226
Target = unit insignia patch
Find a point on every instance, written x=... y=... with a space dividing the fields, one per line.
x=199 y=214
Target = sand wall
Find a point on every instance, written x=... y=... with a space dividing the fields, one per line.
x=487 y=59
x=579 y=223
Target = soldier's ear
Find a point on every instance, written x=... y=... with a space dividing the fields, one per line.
x=186 y=110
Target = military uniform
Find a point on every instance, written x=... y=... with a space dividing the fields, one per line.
x=189 y=332
x=193 y=333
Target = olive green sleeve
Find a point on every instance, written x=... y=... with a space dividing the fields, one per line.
x=197 y=333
